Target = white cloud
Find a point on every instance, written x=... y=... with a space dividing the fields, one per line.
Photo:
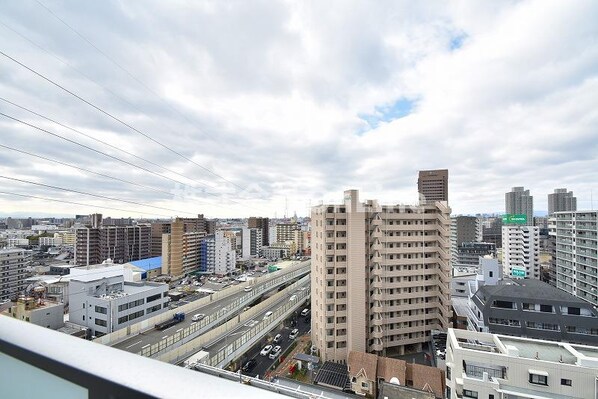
x=271 y=95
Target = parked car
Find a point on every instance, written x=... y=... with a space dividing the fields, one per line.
x=249 y=365
x=275 y=352
x=294 y=333
x=278 y=338
x=305 y=312
x=266 y=350
x=198 y=317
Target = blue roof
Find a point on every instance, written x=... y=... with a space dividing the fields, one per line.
x=148 y=263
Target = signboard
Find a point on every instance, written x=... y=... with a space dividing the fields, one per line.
x=516 y=272
x=510 y=218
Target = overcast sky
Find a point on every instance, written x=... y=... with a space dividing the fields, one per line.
x=286 y=104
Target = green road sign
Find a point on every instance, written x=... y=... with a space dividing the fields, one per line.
x=518 y=272
x=510 y=218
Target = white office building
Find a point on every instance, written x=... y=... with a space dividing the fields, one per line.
x=483 y=365
x=577 y=254
x=252 y=242
x=104 y=302
x=521 y=251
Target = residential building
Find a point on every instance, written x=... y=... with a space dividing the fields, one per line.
x=432 y=185
x=286 y=231
x=534 y=309
x=104 y=302
x=13 y=272
x=464 y=229
x=483 y=365
x=368 y=372
x=119 y=243
x=38 y=311
x=521 y=251
x=252 y=242
x=549 y=276
x=492 y=231
x=401 y=294
x=468 y=253
x=561 y=201
x=263 y=225
x=217 y=255
x=279 y=250
x=519 y=202
x=181 y=248
x=577 y=254
x=198 y=224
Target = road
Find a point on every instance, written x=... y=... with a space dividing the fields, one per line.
x=136 y=343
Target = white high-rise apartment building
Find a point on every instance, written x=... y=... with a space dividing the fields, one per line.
x=225 y=254
x=577 y=254
x=521 y=251
x=380 y=276
x=252 y=242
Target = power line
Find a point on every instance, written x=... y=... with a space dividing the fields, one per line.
x=118 y=120
x=90 y=194
x=95 y=150
x=72 y=202
x=83 y=169
x=113 y=147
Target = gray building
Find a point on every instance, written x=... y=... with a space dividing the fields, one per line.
x=492 y=231
x=534 y=309
x=432 y=185
x=577 y=254
x=520 y=202
x=464 y=229
x=13 y=264
x=468 y=253
x=561 y=201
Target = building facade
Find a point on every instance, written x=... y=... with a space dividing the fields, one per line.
x=264 y=225
x=577 y=254
x=380 y=276
x=534 y=309
x=483 y=365
x=252 y=242
x=561 y=201
x=520 y=202
x=432 y=185
x=104 y=302
x=181 y=248
x=521 y=252
x=13 y=272
x=464 y=229
x=468 y=253
x=120 y=243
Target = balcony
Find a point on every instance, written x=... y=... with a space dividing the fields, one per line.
x=90 y=370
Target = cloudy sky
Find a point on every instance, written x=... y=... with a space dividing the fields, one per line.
x=242 y=108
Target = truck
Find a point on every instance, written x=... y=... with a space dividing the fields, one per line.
x=176 y=318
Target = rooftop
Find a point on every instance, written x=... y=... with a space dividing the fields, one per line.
x=148 y=263
x=530 y=288
x=540 y=350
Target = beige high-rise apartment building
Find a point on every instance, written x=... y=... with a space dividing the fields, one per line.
x=380 y=276
x=180 y=249
x=432 y=185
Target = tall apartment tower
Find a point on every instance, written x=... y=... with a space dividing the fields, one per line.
x=561 y=201
x=577 y=254
x=120 y=243
x=519 y=202
x=252 y=242
x=264 y=225
x=181 y=247
x=198 y=224
x=464 y=229
x=521 y=251
x=432 y=185
x=380 y=276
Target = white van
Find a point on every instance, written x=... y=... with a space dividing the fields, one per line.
x=305 y=312
x=267 y=315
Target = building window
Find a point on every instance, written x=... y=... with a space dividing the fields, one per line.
x=101 y=310
x=448 y=373
x=100 y=322
x=538 y=379
x=566 y=382
x=470 y=394
x=365 y=385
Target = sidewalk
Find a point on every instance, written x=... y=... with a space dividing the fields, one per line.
x=283 y=368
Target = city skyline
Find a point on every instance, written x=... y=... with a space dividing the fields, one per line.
x=287 y=105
